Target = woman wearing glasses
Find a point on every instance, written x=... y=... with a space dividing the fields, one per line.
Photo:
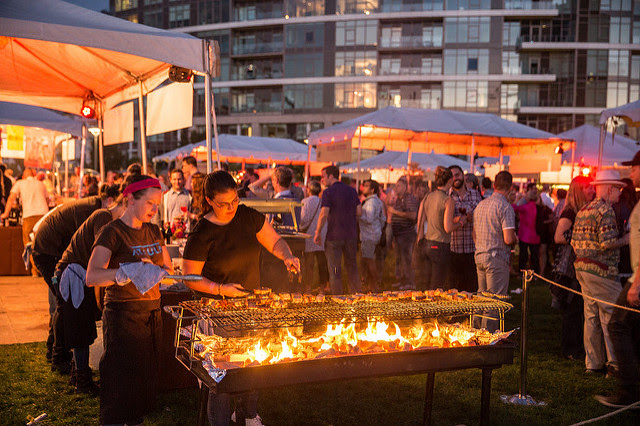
x=224 y=247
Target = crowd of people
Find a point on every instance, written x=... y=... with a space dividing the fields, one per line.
x=454 y=232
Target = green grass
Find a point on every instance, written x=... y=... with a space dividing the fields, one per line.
x=28 y=387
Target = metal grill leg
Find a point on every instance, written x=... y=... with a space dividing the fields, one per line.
x=485 y=399
x=203 y=400
x=428 y=399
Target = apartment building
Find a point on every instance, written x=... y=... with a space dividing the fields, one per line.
x=292 y=66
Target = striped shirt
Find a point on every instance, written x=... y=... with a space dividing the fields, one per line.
x=594 y=233
x=403 y=225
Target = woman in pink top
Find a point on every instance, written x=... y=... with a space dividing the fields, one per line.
x=528 y=239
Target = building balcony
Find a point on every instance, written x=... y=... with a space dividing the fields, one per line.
x=409 y=42
x=406 y=71
x=529 y=5
x=572 y=45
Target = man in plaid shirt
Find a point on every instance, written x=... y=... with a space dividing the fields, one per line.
x=462 y=272
x=493 y=233
x=597 y=246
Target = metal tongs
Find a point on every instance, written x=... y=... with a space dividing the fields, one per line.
x=191 y=277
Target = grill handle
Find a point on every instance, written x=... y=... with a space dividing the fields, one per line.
x=174 y=311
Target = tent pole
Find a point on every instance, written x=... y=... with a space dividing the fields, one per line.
x=603 y=130
x=143 y=135
x=66 y=169
x=573 y=157
x=101 y=148
x=359 y=156
x=307 y=166
x=473 y=147
x=501 y=159
x=83 y=146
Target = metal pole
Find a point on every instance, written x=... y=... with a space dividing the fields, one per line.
x=473 y=147
x=83 y=146
x=101 y=148
x=143 y=136
x=307 y=168
x=359 y=155
x=207 y=117
x=603 y=132
x=526 y=278
x=573 y=157
x=66 y=168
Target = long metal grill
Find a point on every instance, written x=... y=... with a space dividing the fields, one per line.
x=330 y=312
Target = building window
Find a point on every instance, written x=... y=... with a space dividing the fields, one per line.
x=465 y=94
x=597 y=63
x=468 y=4
x=430 y=98
x=432 y=36
x=303 y=96
x=623 y=5
x=619 y=29
x=355 y=95
x=245 y=43
x=510 y=33
x=356 y=63
x=636 y=28
x=432 y=65
x=153 y=18
x=357 y=33
x=635 y=67
x=120 y=5
x=256 y=100
x=301 y=36
x=510 y=63
x=257 y=69
x=466 y=61
x=467 y=30
x=617 y=93
x=410 y=5
x=303 y=64
x=304 y=7
x=356 y=6
x=508 y=97
x=619 y=63
x=179 y=15
x=634 y=92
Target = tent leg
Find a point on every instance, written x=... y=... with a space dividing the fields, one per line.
x=83 y=146
x=473 y=154
x=359 y=156
x=101 y=150
x=307 y=166
x=603 y=130
x=573 y=157
x=143 y=135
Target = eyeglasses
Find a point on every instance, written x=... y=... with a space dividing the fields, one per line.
x=231 y=205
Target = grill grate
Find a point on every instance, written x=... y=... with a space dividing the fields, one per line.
x=329 y=312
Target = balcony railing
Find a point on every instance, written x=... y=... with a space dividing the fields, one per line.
x=544 y=38
x=407 y=71
x=248 y=49
x=241 y=14
x=273 y=106
x=244 y=75
x=410 y=41
x=529 y=5
x=412 y=7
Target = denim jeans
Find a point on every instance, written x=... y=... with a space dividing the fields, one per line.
x=335 y=251
x=404 y=250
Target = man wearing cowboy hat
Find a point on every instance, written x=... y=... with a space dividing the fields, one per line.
x=624 y=324
x=596 y=244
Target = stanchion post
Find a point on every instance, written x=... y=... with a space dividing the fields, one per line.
x=522 y=398
x=522 y=392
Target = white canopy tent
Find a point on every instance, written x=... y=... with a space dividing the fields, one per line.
x=42 y=118
x=397 y=160
x=587 y=139
x=630 y=113
x=62 y=56
x=249 y=149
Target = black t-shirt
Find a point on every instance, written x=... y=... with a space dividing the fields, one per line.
x=568 y=213
x=79 y=249
x=55 y=232
x=131 y=245
x=231 y=252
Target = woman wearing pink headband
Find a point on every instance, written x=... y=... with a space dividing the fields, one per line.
x=131 y=319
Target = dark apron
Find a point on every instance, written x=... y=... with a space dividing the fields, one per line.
x=129 y=366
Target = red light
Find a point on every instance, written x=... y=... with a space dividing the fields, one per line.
x=586 y=171
x=88 y=112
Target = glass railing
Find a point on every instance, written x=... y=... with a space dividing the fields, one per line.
x=545 y=38
x=273 y=106
x=408 y=71
x=529 y=5
x=410 y=41
x=411 y=7
x=244 y=75
x=242 y=14
x=247 y=49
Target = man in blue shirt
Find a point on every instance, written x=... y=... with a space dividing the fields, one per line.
x=340 y=208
